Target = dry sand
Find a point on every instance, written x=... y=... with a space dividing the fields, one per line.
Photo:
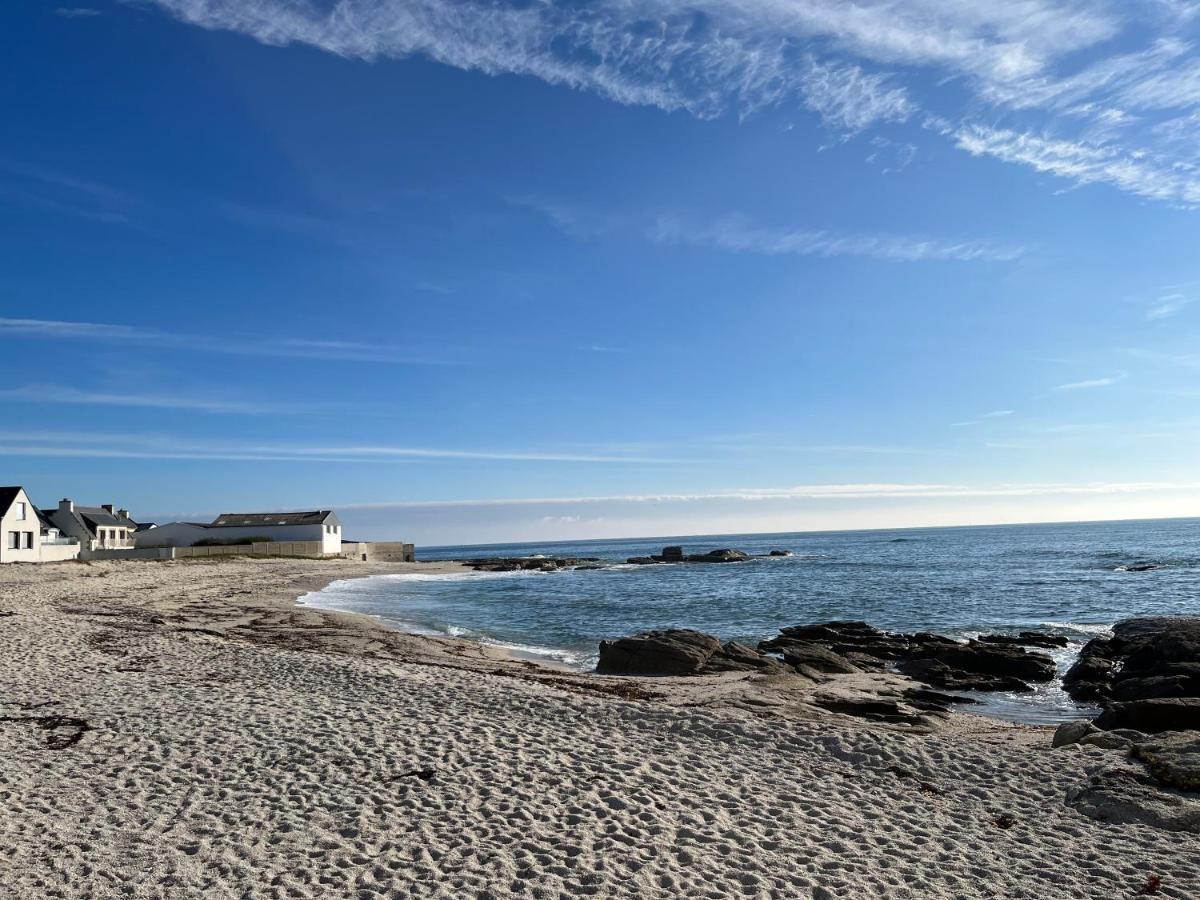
x=213 y=739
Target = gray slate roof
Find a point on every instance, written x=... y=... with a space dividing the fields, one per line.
x=240 y=520
x=95 y=517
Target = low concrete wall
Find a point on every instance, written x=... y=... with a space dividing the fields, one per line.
x=379 y=551
x=59 y=552
x=310 y=549
x=131 y=553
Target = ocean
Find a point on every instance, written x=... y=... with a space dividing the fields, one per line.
x=1071 y=579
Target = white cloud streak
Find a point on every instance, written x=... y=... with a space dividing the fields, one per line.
x=58 y=394
x=1167 y=306
x=1111 y=88
x=100 y=445
x=1090 y=383
x=738 y=234
x=824 y=492
x=285 y=347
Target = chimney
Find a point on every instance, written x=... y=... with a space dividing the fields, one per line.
x=107 y=507
x=122 y=514
x=65 y=505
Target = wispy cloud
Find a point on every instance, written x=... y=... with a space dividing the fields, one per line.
x=76 y=12
x=58 y=394
x=737 y=233
x=1091 y=383
x=1105 y=92
x=104 y=445
x=983 y=417
x=65 y=193
x=1086 y=162
x=816 y=492
x=1167 y=306
x=247 y=345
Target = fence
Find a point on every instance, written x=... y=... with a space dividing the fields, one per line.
x=312 y=549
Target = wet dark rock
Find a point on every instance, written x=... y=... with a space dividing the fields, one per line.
x=933 y=658
x=931 y=671
x=780 y=553
x=1089 y=678
x=1152 y=716
x=531 y=563
x=1145 y=659
x=1027 y=639
x=672 y=652
x=1154 y=687
x=675 y=554
x=984 y=659
x=682 y=652
x=818 y=658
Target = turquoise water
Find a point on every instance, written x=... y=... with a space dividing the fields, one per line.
x=1066 y=579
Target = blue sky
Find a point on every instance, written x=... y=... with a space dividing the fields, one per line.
x=488 y=271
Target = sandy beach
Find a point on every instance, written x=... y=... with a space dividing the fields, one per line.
x=185 y=729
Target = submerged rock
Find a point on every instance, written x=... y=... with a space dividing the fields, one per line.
x=531 y=563
x=675 y=554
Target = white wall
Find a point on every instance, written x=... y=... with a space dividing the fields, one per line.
x=59 y=552
x=173 y=534
x=181 y=534
x=29 y=525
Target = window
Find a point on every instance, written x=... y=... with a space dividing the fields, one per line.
x=14 y=540
x=28 y=544
x=21 y=507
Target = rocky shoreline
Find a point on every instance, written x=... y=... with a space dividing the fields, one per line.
x=1147 y=677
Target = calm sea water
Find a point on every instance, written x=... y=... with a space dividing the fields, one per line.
x=1070 y=579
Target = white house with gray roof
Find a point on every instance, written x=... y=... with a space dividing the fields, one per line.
x=97 y=528
x=27 y=534
x=320 y=525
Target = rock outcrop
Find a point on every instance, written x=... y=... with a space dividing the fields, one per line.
x=532 y=563
x=1145 y=659
x=931 y=658
x=835 y=648
x=725 y=555
x=680 y=652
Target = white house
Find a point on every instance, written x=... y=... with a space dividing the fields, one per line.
x=27 y=535
x=95 y=527
x=320 y=525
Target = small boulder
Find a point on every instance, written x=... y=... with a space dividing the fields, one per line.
x=1072 y=732
x=672 y=652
